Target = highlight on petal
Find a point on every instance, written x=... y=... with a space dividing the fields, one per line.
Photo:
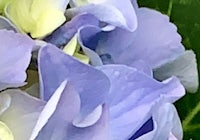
x=64 y=104
x=15 y=55
x=22 y=113
x=56 y=66
x=35 y=16
x=184 y=67
x=132 y=97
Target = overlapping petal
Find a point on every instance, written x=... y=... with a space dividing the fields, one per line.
x=55 y=66
x=58 y=123
x=147 y=46
x=65 y=33
x=15 y=55
x=132 y=97
x=167 y=124
x=6 y=24
x=184 y=67
x=21 y=112
x=109 y=11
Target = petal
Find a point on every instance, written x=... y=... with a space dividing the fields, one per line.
x=15 y=54
x=22 y=113
x=6 y=24
x=62 y=107
x=134 y=93
x=88 y=43
x=155 y=41
x=56 y=66
x=57 y=123
x=111 y=12
x=184 y=67
x=64 y=33
x=34 y=16
x=167 y=124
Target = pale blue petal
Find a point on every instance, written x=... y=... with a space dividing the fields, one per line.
x=22 y=113
x=132 y=97
x=184 y=67
x=111 y=12
x=166 y=123
x=15 y=55
x=155 y=41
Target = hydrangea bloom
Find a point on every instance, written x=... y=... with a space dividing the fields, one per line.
x=74 y=109
x=117 y=101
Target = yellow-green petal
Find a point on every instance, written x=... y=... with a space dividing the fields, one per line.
x=5 y=132
x=39 y=18
x=3 y=4
x=83 y=58
x=70 y=48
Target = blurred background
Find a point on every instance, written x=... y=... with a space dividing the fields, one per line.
x=185 y=14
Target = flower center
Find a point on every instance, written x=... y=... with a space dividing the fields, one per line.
x=5 y=132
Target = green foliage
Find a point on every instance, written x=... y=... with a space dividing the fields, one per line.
x=186 y=15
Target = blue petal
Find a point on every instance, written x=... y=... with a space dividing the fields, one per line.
x=55 y=66
x=166 y=124
x=111 y=12
x=64 y=33
x=155 y=41
x=132 y=97
x=64 y=105
x=15 y=55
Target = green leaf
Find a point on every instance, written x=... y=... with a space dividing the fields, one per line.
x=186 y=15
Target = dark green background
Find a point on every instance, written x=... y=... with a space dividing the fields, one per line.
x=186 y=15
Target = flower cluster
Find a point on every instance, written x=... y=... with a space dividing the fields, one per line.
x=108 y=70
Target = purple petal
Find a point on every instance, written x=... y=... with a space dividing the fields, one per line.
x=132 y=97
x=166 y=124
x=64 y=33
x=55 y=66
x=111 y=12
x=155 y=41
x=64 y=105
x=15 y=54
x=146 y=127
